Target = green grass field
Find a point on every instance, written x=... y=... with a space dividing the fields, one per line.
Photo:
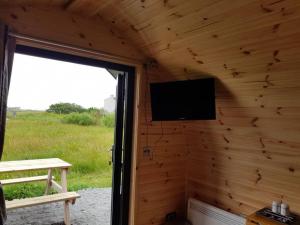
x=38 y=135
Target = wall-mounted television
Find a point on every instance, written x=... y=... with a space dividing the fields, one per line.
x=183 y=100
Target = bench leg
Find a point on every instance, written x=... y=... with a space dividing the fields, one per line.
x=49 y=182
x=67 y=218
x=65 y=189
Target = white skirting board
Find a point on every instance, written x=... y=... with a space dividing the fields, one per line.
x=200 y=213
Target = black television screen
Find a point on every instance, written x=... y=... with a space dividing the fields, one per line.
x=183 y=100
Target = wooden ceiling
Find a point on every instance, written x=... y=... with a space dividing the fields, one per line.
x=227 y=38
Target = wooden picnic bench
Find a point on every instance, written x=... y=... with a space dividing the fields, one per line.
x=41 y=164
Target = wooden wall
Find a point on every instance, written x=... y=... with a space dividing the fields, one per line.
x=240 y=162
x=160 y=181
x=250 y=155
x=54 y=24
x=243 y=160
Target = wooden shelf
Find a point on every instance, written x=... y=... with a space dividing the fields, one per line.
x=254 y=219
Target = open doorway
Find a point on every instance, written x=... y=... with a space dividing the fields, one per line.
x=55 y=117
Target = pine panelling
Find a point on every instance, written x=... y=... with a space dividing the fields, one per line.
x=208 y=34
x=33 y=2
x=250 y=155
x=157 y=215
x=229 y=23
x=90 y=6
x=55 y=24
x=243 y=128
x=161 y=174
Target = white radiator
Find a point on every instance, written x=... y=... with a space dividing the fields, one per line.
x=200 y=213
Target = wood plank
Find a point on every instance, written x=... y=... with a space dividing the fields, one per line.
x=35 y=164
x=46 y=199
x=49 y=181
x=54 y=24
x=64 y=189
x=57 y=187
x=24 y=180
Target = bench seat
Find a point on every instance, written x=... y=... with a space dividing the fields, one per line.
x=27 y=202
x=24 y=180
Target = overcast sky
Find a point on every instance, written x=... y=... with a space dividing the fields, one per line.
x=37 y=83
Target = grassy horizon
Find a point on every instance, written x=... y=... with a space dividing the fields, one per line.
x=38 y=135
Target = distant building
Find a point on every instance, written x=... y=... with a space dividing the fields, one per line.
x=110 y=104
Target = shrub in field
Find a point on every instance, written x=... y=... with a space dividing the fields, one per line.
x=65 y=108
x=84 y=119
x=96 y=111
x=108 y=120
